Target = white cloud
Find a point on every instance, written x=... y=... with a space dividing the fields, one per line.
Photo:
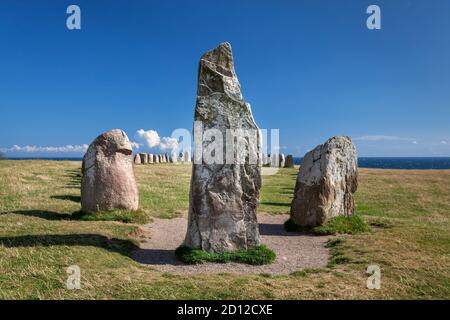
x=168 y=143
x=151 y=137
x=153 y=140
x=34 y=149
x=443 y=142
x=415 y=142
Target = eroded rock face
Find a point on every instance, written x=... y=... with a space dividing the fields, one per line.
x=327 y=179
x=223 y=197
x=108 y=180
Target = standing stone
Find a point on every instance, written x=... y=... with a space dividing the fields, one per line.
x=327 y=179
x=289 y=162
x=108 y=180
x=223 y=196
x=173 y=158
x=144 y=158
x=282 y=161
x=155 y=158
x=150 y=158
x=137 y=159
x=187 y=156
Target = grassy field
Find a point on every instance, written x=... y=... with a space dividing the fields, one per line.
x=40 y=237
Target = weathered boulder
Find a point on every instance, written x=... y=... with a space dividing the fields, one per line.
x=327 y=179
x=223 y=196
x=150 y=158
x=108 y=180
x=137 y=159
x=289 y=162
x=156 y=158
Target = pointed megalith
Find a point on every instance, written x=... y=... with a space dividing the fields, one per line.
x=326 y=181
x=108 y=180
x=224 y=191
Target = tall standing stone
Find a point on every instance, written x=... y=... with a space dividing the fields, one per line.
x=289 y=162
x=144 y=158
x=223 y=197
x=137 y=159
x=327 y=179
x=150 y=158
x=108 y=180
x=155 y=158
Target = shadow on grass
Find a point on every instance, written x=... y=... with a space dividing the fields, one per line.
x=124 y=216
x=67 y=197
x=125 y=247
x=43 y=214
x=156 y=257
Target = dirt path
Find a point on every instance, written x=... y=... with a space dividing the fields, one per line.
x=295 y=251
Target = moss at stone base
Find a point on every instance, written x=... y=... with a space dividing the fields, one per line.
x=256 y=256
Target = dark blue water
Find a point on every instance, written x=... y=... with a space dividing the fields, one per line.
x=400 y=163
x=363 y=162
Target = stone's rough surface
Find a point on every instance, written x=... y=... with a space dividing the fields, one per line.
x=223 y=197
x=325 y=183
x=282 y=160
x=108 y=180
x=137 y=159
x=289 y=162
x=155 y=158
x=150 y=158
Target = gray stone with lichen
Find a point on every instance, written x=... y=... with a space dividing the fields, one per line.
x=326 y=182
x=223 y=197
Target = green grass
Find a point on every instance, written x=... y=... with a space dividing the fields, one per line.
x=277 y=191
x=255 y=256
x=336 y=253
x=409 y=212
x=336 y=225
x=126 y=216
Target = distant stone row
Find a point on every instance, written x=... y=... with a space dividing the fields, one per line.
x=146 y=158
x=277 y=160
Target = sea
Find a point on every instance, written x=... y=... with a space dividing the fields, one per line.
x=411 y=163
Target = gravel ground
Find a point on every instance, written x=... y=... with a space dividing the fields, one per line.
x=295 y=251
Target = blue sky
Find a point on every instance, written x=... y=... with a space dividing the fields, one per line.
x=310 y=68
